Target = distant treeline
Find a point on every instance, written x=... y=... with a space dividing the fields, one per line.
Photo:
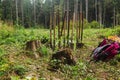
x=30 y=13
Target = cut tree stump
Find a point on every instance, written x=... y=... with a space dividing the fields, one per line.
x=64 y=56
x=32 y=48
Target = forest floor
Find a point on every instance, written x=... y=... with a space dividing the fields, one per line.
x=15 y=64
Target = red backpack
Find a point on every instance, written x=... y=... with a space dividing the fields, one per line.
x=105 y=51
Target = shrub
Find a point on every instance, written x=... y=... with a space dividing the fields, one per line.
x=5 y=67
x=86 y=24
x=94 y=24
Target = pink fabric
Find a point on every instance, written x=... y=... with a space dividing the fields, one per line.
x=103 y=42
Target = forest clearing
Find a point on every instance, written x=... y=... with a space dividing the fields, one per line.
x=15 y=64
x=59 y=39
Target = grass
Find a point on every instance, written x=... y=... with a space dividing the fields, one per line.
x=12 y=57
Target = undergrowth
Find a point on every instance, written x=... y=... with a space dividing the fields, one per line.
x=15 y=64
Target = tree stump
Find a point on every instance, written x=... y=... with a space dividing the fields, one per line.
x=64 y=56
x=32 y=48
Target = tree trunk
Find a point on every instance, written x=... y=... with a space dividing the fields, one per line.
x=34 y=10
x=11 y=12
x=76 y=19
x=100 y=14
x=64 y=23
x=86 y=9
x=16 y=3
x=22 y=12
x=104 y=12
x=117 y=17
x=67 y=21
x=59 y=38
x=72 y=34
x=80 y=22
x=96 y=10
x=45 y=21
x=114 y=17
x=51 y=29
x=54 y=31
x=32 y=47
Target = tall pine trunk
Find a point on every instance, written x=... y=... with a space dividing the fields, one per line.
x=104 y=13
x=16 y=5
x=68 y=27
x=114 y=17
x=22 y=12
x=86 y=9
x=117 y=17
x=34 y=11
x=100 y=14
x=96 y=10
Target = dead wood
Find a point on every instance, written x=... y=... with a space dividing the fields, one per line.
x=66 y=56
x=32 y=47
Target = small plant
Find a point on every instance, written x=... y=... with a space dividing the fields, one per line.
x=44 y=50
x=20 y=70
x=15 y=78
x=2 y=52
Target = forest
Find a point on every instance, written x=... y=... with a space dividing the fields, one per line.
x=30 y=13
x=59 y=39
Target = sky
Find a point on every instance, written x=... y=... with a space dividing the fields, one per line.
x=43 y=1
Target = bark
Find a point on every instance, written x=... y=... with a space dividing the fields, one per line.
x=32 y=47
x=65 y=15
x=59 y=38
x=54 y=33
x=68 y=27
x=104 y=12
x=100 y=14
x=117 y=17
x=11 y=12
x=86 y=10
x=72 y=33
x=96 y=10
x=16 y=5
x=51 y=29
x=22 y=12
x=65 y=55
x=34 y=9
x=114 y=17
x=76 y=19
x=80 y=22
